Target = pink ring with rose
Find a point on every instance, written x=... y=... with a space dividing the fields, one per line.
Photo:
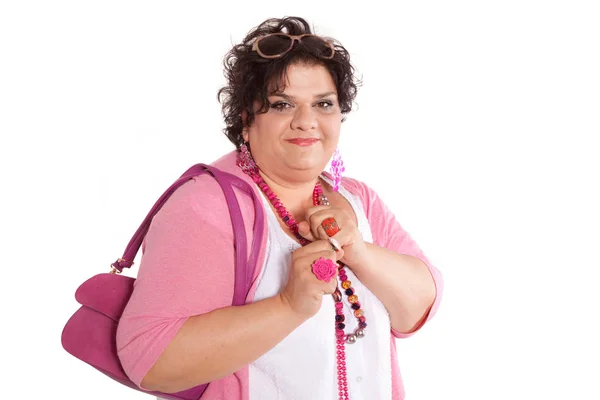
x=324 y=269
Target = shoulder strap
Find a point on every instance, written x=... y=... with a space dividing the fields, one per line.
x=244 y=266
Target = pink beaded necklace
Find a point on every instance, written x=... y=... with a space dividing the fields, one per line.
x=246 y=163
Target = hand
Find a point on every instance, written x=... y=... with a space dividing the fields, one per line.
x=303 y=291
x=349 y=237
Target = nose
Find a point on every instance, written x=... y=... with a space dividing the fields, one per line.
x=304 y=119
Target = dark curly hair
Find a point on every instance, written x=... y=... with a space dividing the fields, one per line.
x=250 y=77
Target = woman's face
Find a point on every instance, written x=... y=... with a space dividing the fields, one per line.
x=295 y=139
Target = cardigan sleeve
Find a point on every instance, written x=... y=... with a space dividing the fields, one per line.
x=187 y=269
x=387 y=232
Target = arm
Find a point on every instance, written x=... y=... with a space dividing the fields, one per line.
x=218 y=343
x=397 y=272
x=179 y=329
x=404 y=286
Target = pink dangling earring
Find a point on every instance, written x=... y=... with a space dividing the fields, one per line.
x=337 y=168
x=246 y=162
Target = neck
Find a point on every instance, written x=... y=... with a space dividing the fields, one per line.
x=296 y=196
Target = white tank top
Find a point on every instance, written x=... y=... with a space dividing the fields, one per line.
x=303 y=366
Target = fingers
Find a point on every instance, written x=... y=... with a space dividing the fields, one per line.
x=315 y=222
x=315 y=247
x=316 y=219
x=304 y=258
x=313 y=210
x=311 y=227
x=322 y=271
x=304 y=230
x=329 y=288
x=326 y=272
x=313 y=274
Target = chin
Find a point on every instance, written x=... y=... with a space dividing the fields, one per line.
x=305 y=159
x=308 y=164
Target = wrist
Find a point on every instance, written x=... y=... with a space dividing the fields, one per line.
x=366 y=262
x=286 y=311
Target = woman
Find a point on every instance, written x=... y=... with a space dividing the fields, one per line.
x=312 y=328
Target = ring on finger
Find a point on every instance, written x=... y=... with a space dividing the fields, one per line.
x=324 y=269
x=331 y=226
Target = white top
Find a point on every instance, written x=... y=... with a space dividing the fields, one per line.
x=303 y=365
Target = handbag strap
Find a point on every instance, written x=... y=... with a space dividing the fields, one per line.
x=244 y=266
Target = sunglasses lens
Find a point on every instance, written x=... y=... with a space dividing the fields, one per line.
x=318 y=46
x=274 y=45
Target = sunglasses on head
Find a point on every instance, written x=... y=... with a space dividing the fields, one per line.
x=277 y=44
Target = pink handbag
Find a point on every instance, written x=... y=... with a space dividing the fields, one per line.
x=90 y=334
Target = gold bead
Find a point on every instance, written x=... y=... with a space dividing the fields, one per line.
x=358 y=313
x=346 y=284
x=353 y=299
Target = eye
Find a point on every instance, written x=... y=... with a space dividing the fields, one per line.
x=280 y=106
x=325 y=104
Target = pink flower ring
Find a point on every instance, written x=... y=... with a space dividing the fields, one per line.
x=324 y=269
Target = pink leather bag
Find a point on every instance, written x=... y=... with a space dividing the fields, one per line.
x=90 y=334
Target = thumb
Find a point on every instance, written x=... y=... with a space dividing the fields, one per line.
x=304 y=231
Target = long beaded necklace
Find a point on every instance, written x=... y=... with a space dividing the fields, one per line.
x=246 y=163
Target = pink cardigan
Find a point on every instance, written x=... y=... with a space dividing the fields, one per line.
x=186 y=270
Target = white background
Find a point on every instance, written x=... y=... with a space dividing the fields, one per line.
x=477 y=123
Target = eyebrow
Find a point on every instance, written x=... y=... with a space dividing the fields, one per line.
x=318 y=96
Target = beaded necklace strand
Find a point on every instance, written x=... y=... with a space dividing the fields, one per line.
x=319 y=198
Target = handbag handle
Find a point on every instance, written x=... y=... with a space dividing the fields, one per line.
x=244 y=267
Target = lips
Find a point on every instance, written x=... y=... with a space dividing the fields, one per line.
x=303 y=141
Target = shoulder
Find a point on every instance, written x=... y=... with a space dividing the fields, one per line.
x=202 y=191
x=353 y=185
x=356 y=187
x=361 y=191
x=201 y=197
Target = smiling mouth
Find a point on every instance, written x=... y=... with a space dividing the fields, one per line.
x=303 y=142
